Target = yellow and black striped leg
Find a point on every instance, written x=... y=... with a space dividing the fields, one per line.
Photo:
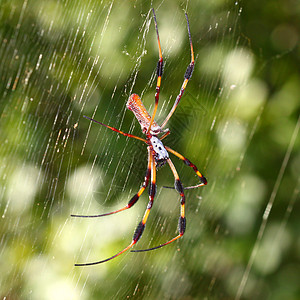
x=182 y=220
x=187 y=77
x=159 y=74
x=152 y=192
x=140 y=228
x=203 y=180
x=134 y=199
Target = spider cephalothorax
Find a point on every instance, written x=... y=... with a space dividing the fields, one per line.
x=158 y=154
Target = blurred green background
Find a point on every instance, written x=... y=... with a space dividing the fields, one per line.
x=238 y=122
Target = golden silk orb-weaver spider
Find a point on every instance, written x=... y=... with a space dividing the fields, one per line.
x=158 y=154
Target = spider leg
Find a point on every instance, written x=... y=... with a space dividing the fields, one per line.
x=203 y=180
x=187 y=77
x=165 y=135
x=117 y=130
x=141 y=226
x=134 y=199
x=159 y=74
x=182 y=220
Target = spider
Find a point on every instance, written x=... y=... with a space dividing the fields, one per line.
x=158 y=154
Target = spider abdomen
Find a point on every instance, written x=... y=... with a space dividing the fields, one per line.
x=136 y=105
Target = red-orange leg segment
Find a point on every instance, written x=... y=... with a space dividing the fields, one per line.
x=182 y=220
x=159 y=74
x=187 y=77
x=140 y=228
x=165 y=135
x=134 y=199
x=117 y=130
x=105 y=260
x=203 y=180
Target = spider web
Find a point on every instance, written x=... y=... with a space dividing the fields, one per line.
x=238 y=121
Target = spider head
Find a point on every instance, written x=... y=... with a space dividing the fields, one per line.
x=160 y=153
